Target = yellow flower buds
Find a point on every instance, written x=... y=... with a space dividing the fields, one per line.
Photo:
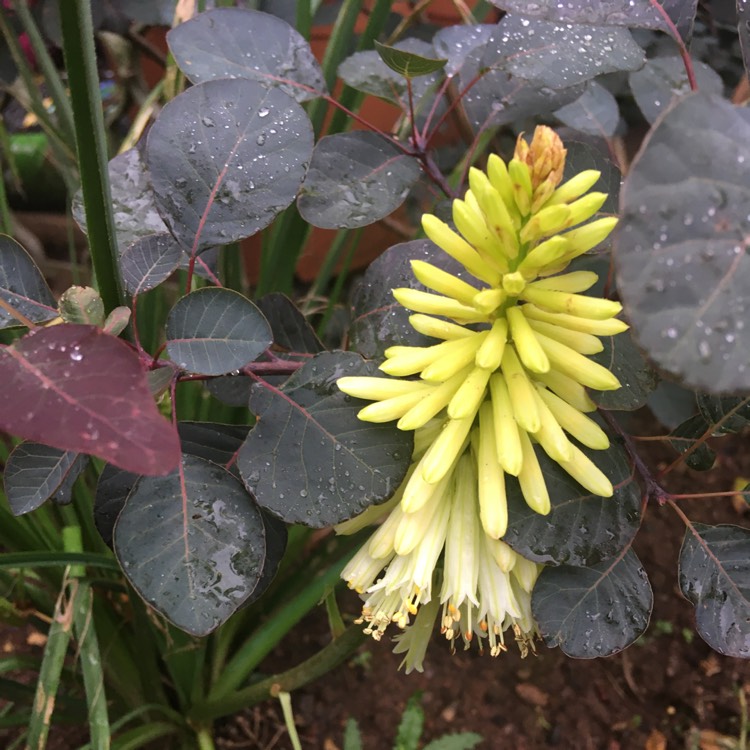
x=505 y=382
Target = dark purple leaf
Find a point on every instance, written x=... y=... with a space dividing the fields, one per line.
x=380 y=321
x=133 y=200
x=593 y=611
x=595 y=112
x=681 y=251
x=22 y=286
x=112 y=489
x=35 y=472
x=354 y=180
x=289 y=327
x=662 y=79
x=150 y=260
x=715 y=577
x=641 y=14
x=213 y=331
x=192 y=544
x=225 y=158
x=79 y=389
x=309 y=459
x=236 y=43
x=581 y=528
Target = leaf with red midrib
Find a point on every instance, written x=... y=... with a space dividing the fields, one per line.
x=77 y=388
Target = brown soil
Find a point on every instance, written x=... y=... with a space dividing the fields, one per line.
x=669 y=690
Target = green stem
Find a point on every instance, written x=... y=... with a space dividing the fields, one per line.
x=336 y=49
x=286 y=707
x=304 y=18
x=31 y=98
x=204 y=735
x=316 y=666
x=6 y=223
x=80 y=60
x=63 y=111
x=274 y=629
x=351 y=98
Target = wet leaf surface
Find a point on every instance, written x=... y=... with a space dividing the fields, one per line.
x=408 y=64
x=715 y=577
x=681 y=252
x=225 y=157
x=149 y=261
x=239 y=43
x=214 y=331
x=309 y=459
x=581 y=528
x=560 y=55
x=354 y=180
x=634 y=13
x=454 y=43
x=22 y=286
x=593 y=611
x=378 y=320
x=289 y=327
x=365 y=71
x=595 y=112
x=193 y=546
x=79 y=389
x=685 y=435
x=112 y=490
x=622 y=357
x=133 y=201
x=662 y=79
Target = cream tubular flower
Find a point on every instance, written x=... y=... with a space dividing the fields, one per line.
x=506 y=378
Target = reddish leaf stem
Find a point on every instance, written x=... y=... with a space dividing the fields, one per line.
x=675 y=34
x=20 y=317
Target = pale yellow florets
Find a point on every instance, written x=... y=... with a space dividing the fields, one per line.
x=510 y=372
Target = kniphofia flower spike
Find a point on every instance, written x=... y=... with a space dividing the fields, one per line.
x=510 y=372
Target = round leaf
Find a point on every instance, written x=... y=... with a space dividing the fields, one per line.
x=581 y=528
x=112 y=490
x=379 y=321
x=22 y=286
x=595 y=112
x=715 y=576
x=593 y=611
x=133 y=202
x=149 y=261
x=289 y=327
x=193 y=546
x=562 y=55
x=662 y=79
x=79 y=389
x=408 y=64
x=237 y=43
x=355 y=179
x=621 y=356
x=35 y=472
x=213 y=331
x=225 y=158
x=309 y=459
x=682 y=253
x=641 y=14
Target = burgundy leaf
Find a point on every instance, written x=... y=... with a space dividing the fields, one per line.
x=77 y=388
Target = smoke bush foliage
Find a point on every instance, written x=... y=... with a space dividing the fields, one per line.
x=196 y=512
